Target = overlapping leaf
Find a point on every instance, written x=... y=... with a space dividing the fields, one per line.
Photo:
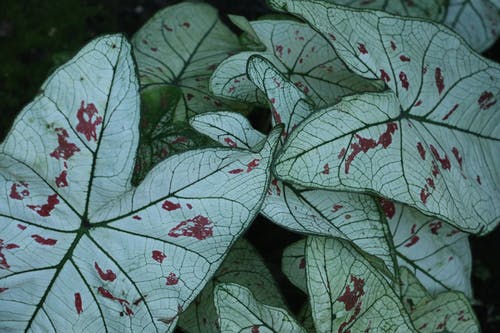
x=115 y=258
x=350 y=216
x=347 y=294
x=242 y=265
x=436 y=253
x=304 y=56
x=446 y=312
x=240 y=311
x=430 y=9
x=176 y=51
x=429 y=143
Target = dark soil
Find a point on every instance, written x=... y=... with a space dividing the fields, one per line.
x=38 y=36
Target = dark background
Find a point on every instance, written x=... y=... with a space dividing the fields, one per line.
x=38 y=36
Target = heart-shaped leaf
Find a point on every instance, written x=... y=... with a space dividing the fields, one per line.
x=176 y=51
x=303 y=55
x=240 y=311
x=429 y=143
x=347 y=294
x=242 y=265
x=436 y=253
x=446 y=312
x=114 y=257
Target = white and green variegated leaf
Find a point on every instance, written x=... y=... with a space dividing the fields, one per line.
x=347 y=293
x=304 y=56
x=116 y=258
x=240 y=311
x=293 y=264
x=430 y=9
x=429 y=143
x=477 y=21
x=176 y=52
x=445 y=312
x=243 y=265
x=436 y=253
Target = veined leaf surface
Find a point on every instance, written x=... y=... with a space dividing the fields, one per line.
x=436 y=253
x=347 y=294
x=114 y=258
x=176 y=51
x=242 y=265
x=304 y=56
x=240 y=311
x=445 y=312
x=430 y=143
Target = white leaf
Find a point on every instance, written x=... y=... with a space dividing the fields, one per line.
x=81 y=249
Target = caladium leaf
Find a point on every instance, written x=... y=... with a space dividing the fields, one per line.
x=176 y=51
x=293 y=264
x=476 y=20
x=240 y=311
x=350 y=216
x=303 y=55
x=430 y=9
x=436 y=253
x=429 y=143
x=347 y=294
x=115 y=257
x=242 y=265
x=446 y=312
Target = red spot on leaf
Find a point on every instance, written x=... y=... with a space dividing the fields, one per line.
x=169 y=205
x=430 y=182
x=404 y=80
x=158 y=255
x=435 y=226
x=172 y=279
x=363 y=144
x=302 y=263
x=274 y=183
x=22 y=227
x=279 y=49
x=393 y=45
x=388 y=207
x=362 y=48
x=445 y=162
x=198 y=227
x=78 y=303
x=351 y=298
x=137 y=217
x=486 y=100
x=189 y=206
x=138 y=301
x=230 y=142
x=17 y=194
x=3 y=289
x=419 y=102
x=421 y=150
x=109 y=275
x=255 y=329
x=65 y=149
x=61 y=180
x=45 y=209
x=44 y=241
x=424 y=194
x=189 y=96
x=341 y=153
x=3 y=260
x=236 y=171
x=253 y=164
x=456 y=153
x=414 y=239
x=404 y=58
x=384 y=76
x=186 y=24
x=88 y=120
x=332 y=37
x=478 y=179
x=326 y=169
x=439 y=80
x=335 y=208
x=446 y=116
x=154 y=49
x=435 y=169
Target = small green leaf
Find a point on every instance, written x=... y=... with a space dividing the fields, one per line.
x=347 y=294
x=240 y=311
x=243 y=265
x=428 y=144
